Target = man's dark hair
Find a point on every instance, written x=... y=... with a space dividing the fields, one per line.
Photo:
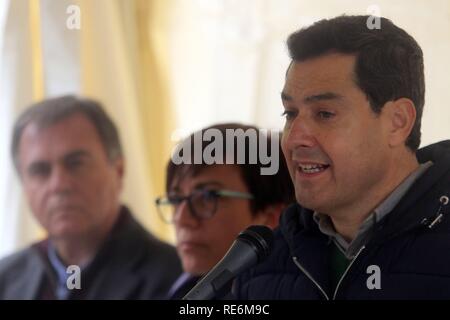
x=50 y=111
x=389 y=62
x=266 y=189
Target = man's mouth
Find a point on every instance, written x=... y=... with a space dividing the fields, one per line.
x=311 y=168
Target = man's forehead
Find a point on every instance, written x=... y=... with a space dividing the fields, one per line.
x=319 y=75
x=56 y=141
x=40 y=156
x=323 y=66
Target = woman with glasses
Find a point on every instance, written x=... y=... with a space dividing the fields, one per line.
x=210 y=205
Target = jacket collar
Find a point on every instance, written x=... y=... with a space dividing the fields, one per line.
x=306 y=243
x=422 y=202
x=113 y=252
x=123 y=255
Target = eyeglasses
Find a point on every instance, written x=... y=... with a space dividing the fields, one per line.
x=202 y=203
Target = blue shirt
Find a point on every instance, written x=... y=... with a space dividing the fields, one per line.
x=62 y=291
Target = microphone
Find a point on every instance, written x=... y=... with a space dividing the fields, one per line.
x=251 y=247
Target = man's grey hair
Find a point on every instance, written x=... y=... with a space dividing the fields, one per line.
x=50 y=111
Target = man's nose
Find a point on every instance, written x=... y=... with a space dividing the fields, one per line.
x=299 y=134
x=60 y=179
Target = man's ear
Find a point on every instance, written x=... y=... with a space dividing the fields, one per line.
x=401 y=116
x=119 y=167
x=270 y=216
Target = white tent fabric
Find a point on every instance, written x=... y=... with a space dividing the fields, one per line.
x=227 y=63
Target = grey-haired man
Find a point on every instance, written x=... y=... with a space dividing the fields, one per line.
x=69 y=158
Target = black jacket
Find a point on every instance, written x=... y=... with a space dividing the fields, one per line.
x=411 y=247
x=132 y=264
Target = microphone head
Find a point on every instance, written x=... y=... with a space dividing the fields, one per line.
x=251 y=246
x=260 y=238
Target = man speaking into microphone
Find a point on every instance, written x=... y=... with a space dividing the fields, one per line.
x=373 y=213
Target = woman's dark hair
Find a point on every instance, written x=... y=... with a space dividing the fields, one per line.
x=266 y=189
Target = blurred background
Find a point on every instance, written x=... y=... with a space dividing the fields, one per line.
x=164 y=68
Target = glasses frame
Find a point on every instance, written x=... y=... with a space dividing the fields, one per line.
x=221 y=193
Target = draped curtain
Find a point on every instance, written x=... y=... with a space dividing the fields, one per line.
x=117 y=56
x=164 y=68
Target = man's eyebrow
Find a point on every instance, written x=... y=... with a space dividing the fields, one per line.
x=322 y=96
x=313 y=98
x=285 y=96
x=76 y=154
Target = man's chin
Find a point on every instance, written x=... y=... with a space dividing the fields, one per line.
x=64 y=232
x=310 y=203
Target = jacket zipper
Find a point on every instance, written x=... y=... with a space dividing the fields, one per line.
x=444 y=200
x=346 y=271
x=297 y=263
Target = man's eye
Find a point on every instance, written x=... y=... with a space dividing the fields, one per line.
x=325 y=114
x=74 y=164
x=39 y=170
x=289 y=115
